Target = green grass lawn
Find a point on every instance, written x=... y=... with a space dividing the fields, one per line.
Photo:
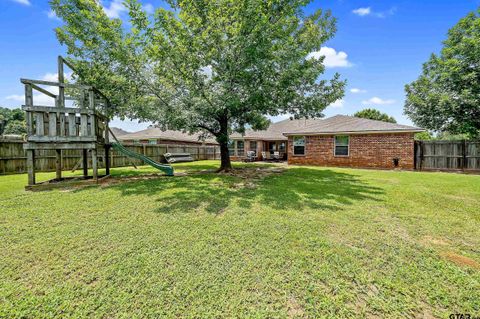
x=308 y=242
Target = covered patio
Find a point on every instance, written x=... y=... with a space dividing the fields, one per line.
x=269 y=144
x=258 y=150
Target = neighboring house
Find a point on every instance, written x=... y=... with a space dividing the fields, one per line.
x=339 y=141
x=155 y=135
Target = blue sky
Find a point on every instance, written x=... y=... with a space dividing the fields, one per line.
x=379 y=47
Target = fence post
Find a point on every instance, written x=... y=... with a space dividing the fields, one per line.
x=85 y=162
x=61 y=90
x=58 y=164
x=415 y=154
x=419 y=155
x=464 y=155
x=29 y=103
x=31 y=166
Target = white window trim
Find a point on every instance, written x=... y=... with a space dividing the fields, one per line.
x=236 y=148
x=304 y=145
x=232 y=148
x=335 y=146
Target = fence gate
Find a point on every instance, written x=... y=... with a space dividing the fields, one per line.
x=447 y=155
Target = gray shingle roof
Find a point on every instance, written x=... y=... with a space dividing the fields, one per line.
x=275 y=130
x=278 y=131
x=349 y=124
x=157 y=133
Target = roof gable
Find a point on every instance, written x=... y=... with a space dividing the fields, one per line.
x=349 y=124
x=275 y=130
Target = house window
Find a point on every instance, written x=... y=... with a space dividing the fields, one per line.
x=299 y=145
x=272 y=147
x=231 y=147
x=281 y=147
x=341 y=145
x=240 y=148
x=152 y=141
x=253 y=146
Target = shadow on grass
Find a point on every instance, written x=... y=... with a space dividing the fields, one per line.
x=142 y=170
x=296 y=188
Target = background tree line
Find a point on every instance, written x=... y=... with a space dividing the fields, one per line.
x=12 y=121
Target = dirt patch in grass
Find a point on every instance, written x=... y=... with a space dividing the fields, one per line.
x=429 y=240
x=360 y=305
x=295 y=310
x=255 y=173
x=460 y=260
x=425 y=311
x=251 y=176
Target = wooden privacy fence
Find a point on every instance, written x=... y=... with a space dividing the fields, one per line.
x=447 y=155
x=13 y=158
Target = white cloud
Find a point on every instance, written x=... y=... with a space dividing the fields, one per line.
x=15 y=97
x=369 y=12
x=362 y=11
x=114 y=9
x=338 y=103
x=24 y=2
x=40 y=98
x=53 y=77
x=332 y=57
x=378 y=101
x=357 y=90
x=148 y=7
x=51 y=15
x=129 y=125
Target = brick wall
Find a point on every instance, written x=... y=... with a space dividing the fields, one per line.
x=366 y=150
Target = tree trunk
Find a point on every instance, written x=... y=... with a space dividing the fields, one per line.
x=222 y=139
x=225 y=165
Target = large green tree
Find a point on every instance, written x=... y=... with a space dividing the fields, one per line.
x=446 y=96
x=204 y=66
x=16 y=128
x=12 y=121
x=374 y=114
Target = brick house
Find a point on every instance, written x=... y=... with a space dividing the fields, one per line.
x=341 y=141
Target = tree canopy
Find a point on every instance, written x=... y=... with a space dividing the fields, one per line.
x=424 y=136
x=208 y=66
x=374 y=114
x=446 y=96
x=12 y=121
